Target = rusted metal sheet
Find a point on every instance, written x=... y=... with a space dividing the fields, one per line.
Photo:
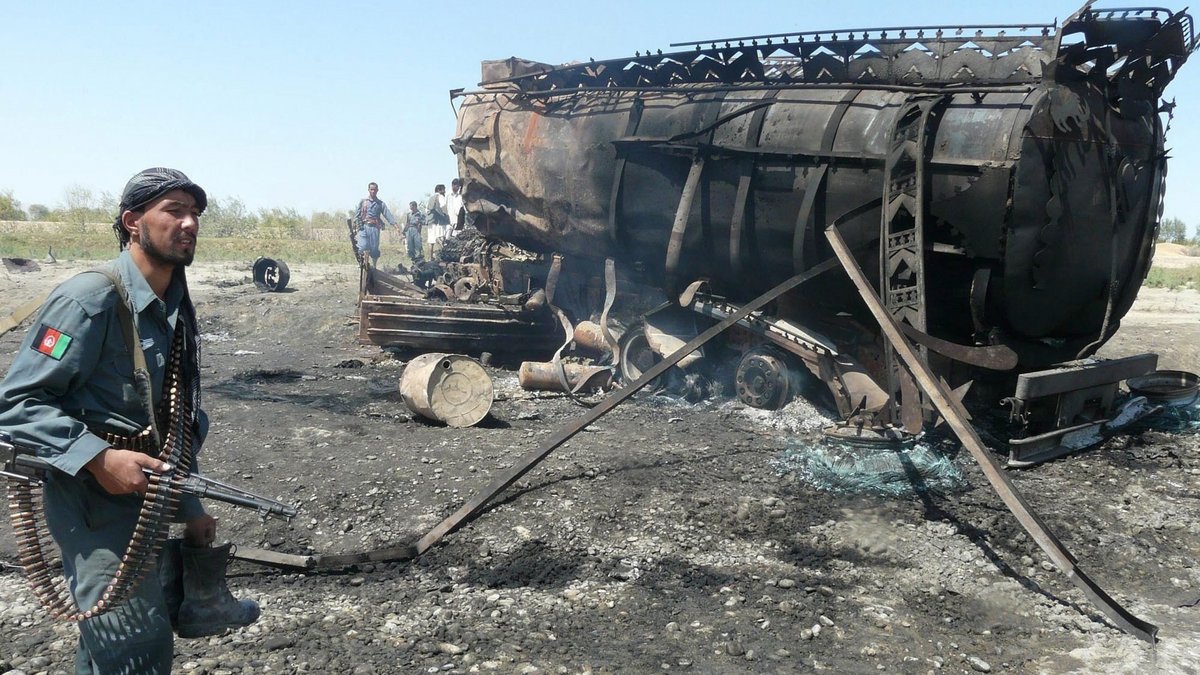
x=572 y=377
x=393 y=321
x=395 y=312
x=589 y=337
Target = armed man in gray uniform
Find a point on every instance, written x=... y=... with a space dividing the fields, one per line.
x=71 y=394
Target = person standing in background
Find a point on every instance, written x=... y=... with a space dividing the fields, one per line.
x=414 y=220
x=438 y=217
x=454 y=206
x=370 y=216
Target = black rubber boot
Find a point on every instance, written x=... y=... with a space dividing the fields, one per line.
x=208 y=607
x=170 y=573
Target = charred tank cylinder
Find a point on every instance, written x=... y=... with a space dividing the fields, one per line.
x=1003 y=188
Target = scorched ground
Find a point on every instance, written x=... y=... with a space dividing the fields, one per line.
x=671 y=537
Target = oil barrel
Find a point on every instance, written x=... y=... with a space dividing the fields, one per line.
x=447 y=388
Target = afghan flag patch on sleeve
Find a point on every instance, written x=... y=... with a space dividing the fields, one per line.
x=51 y=342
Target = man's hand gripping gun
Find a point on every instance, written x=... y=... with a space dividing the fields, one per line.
x=21 y=463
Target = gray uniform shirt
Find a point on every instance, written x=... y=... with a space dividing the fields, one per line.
x=82 y=376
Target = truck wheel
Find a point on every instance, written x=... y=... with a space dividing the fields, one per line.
x=765 y=379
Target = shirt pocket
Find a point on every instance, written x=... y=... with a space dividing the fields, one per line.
x=120 y=384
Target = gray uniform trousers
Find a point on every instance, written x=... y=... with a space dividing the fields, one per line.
x=412 y=237
x=368 y=240
x=93 y=529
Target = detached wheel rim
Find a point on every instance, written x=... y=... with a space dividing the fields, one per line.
x=763 y=380
x=636 y=355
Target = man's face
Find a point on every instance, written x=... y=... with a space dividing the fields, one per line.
x=372 y=190
x=168 y=228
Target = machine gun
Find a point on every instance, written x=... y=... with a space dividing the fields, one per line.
x=20 y=463
x=24 y=472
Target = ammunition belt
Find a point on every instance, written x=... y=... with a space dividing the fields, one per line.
x=159 y=504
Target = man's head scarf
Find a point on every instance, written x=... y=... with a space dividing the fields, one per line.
x=150 y=184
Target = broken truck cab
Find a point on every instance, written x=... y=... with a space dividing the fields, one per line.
x=1002 y=189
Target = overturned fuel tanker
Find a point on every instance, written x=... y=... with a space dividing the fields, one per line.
x=1001 y=187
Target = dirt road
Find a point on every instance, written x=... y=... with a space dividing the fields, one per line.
x=669 y=538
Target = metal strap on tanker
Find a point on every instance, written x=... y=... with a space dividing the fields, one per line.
x=964 y=58
x=956 y=416
x=775 y=329
x=896 y=56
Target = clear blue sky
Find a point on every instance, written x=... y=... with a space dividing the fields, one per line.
x=300 y=104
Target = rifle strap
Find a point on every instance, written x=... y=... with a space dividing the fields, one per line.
x=133 y=343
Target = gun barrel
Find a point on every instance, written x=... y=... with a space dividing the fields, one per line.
x=16 y=462
x=204 y=487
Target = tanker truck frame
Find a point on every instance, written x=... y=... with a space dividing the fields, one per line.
x=1001 y=186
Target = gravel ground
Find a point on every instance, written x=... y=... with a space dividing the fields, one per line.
x=670 y=537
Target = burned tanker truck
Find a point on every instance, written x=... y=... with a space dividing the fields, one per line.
x=1001 y=187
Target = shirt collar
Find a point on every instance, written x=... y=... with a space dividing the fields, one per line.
x=140 y=293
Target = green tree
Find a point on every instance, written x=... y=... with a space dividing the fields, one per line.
x=1172 y=230
x=39 y=212
x=108 y=205
x=228 y=218
x=325 y=220
x=77 y=202
x=10 y=208
x=81 y=207
x=279 y=223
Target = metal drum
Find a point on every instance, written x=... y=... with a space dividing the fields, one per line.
x=447 y=388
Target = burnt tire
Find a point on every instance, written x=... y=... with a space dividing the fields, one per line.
x=271 y=275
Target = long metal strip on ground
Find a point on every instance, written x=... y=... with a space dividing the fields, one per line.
x=954 y=415
x=523 y=465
